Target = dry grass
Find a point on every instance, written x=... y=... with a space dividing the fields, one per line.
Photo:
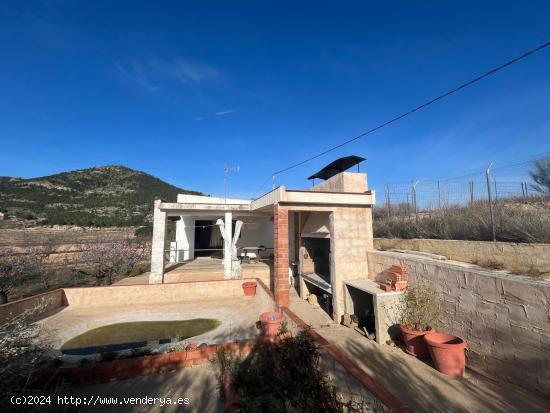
x=516 y=220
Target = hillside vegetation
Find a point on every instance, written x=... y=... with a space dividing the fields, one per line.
x=107 y=196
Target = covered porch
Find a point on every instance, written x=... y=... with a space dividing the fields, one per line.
x=215 y=239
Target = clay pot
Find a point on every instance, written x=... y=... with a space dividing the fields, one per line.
x=271 y=321
x=447 y=353
x=414 y=341
x=249 y=288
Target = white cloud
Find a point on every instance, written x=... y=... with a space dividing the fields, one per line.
x=136 y=75
x=224 y=112
x=151 y=72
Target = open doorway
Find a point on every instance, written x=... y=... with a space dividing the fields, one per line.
x=208 y=239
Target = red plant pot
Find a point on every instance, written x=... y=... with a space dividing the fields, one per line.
x=414 y=341
x=271 y=321
x=447 y=353
x=249 y=288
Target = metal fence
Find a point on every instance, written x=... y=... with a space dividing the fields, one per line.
x=485 y=191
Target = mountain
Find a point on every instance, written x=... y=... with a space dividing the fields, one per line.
x=105 y=196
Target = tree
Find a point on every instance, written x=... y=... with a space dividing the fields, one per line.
x=114 y=258
x=14 y=266
x=21 y=358
x=541 y=175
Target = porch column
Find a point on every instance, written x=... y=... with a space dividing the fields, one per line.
x=158 y=245
x=280 y=232
x=227 y=244
x=185 y=238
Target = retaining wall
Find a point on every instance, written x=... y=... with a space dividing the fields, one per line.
x=120 y=295
x=34 y=306
x=517 y=258
x=504 y=317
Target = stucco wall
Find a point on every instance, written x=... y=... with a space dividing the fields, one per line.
x=46 y=302
x=504 y=318
x=257 y=231
x=516 y=258
x=343 y=182
x=152 y=293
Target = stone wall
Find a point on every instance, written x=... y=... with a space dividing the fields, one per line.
x=513 y=257
x=504 y=318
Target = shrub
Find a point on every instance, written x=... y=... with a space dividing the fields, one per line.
x=285 y=377
x=420 y=308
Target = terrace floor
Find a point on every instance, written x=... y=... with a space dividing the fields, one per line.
x=237 y=315
x=197 y=383
x=415 y=383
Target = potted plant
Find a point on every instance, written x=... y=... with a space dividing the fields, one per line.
x=249 y=288
x=284 y=331
x=419 y=312
x=271 y=322
x=447 y=352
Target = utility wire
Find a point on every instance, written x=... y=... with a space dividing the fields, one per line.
x=417 y=108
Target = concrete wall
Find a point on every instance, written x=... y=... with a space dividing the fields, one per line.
x=47 y=301
x=343 y=182
x=350 y=240
x=259 y=233
x=504 y=318
x=154 y=293
x=516 y=258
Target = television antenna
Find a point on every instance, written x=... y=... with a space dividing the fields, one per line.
x=226 y=169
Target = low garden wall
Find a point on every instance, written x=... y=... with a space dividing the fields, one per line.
x=505 y=318
x=35 y=305
x=517 y=258
x=120 y=295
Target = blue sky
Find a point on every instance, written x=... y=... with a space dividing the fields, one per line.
x=177 y=89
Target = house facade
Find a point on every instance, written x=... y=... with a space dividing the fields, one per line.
x=320 y=235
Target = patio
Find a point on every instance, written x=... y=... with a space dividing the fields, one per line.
x=209 y=269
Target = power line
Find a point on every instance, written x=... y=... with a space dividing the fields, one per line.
x=417 y=108
x=478 y=171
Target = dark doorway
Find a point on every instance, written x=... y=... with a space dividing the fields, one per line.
x=208 y=240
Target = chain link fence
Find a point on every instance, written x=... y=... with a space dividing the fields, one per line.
x=475 y=207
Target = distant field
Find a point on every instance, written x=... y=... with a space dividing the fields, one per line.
x=60 y=235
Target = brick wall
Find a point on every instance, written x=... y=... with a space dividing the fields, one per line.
x=280 y=273
x=504 y=318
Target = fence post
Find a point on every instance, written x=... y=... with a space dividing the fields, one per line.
x=487 y=175
x=471 y=184
x=414 y=200
x=438 y=195
x=387 y=193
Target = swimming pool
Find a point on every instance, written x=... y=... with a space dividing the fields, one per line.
x=130 y=335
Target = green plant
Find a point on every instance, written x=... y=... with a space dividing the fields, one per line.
x=420 y=308
x=283 y=328
x=286 y=377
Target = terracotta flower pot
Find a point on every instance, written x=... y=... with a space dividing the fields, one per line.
x=414 y=341
x=249 y=288
x=271 y=321
x=447 y=353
